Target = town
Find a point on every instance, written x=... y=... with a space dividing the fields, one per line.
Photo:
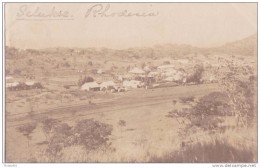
x=133 y=98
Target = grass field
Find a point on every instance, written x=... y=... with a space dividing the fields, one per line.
x=146 y=129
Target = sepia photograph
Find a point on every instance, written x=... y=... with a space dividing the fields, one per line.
x=130 y=82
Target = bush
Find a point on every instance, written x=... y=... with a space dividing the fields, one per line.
x=209 y=111
x=27 y=130
x=207 y=114
x=85 y=80
x=92 y=134
x=17 y=71
x=166 y=62
x=122 y=123
x=66 y=64
x=213 y=152
x=48 y=126
x=30 y=62
x=187 y=99
x=60 y=139
x=213 y=104
x=197 y=75
x=7 y=72
x=90 y=63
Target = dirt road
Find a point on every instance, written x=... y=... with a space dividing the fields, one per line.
x=144 y=112
x=129 y=100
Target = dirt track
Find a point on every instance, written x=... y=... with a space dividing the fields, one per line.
x=130 y=100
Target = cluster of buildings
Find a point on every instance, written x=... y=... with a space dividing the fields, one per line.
x=15 y=84
x=140 y=77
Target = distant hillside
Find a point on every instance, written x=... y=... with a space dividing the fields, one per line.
x=246 y=46
x=57 y=60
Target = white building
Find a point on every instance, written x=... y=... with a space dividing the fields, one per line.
x=136 y=70
x=107 y=84
x=90 y=86
x=132 y=84
x=164 y=68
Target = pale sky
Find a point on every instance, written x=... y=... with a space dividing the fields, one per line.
x=197 y=24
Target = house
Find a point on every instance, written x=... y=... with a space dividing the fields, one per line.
x=183 y=61
x=164 y=68
x=8 y=78
x=132 y=84
x=174 y=76
x=153 y=74
x=29 y=85
x=107 y=85
x=99 y=71
x=170 y=72
x=169 y=79
x=12 y=84
x=90 y=86
x=137 y=71
x=147 y=69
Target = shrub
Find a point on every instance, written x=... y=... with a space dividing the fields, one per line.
x=166 y=62
x=90 y=63
x=92 y=134
x=197 y=75
x=213 y=152
x=207 y=114
x=209 y=111
x=7 y=72
x=66 y=64
x=121 y=123
x=48 y=126
x=30 y=62
x=243 y=97
x=59 y=140
x=187 y=99
x=27 y=129
x=86 y=79
x=211 y=103
x=17 y=71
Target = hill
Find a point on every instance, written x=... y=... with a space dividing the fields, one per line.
x=246 y=47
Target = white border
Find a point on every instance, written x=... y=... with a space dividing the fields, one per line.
x=114 y=165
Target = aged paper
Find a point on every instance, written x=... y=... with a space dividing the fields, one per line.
x=130 y=82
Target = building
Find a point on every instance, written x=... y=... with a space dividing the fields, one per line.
x=107 y=85
x=137 y=71
x=132 y=84
x=164 y=68
x=90 y=86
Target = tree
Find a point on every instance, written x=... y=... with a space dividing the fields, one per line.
x=92 y=134
x=90 y=63
x=197 y=74
x=242 y=95
x=48 y=126
x=88 y=133
x=80 y=81
x=143 y=65
x=62 y=137
x=241 y=91
x=88 y=79
x=121 y=123
x=17 y=71
x=84 y=80
x=66 y=64
x=7 y=71
x=29 y=62
x=166 y=62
